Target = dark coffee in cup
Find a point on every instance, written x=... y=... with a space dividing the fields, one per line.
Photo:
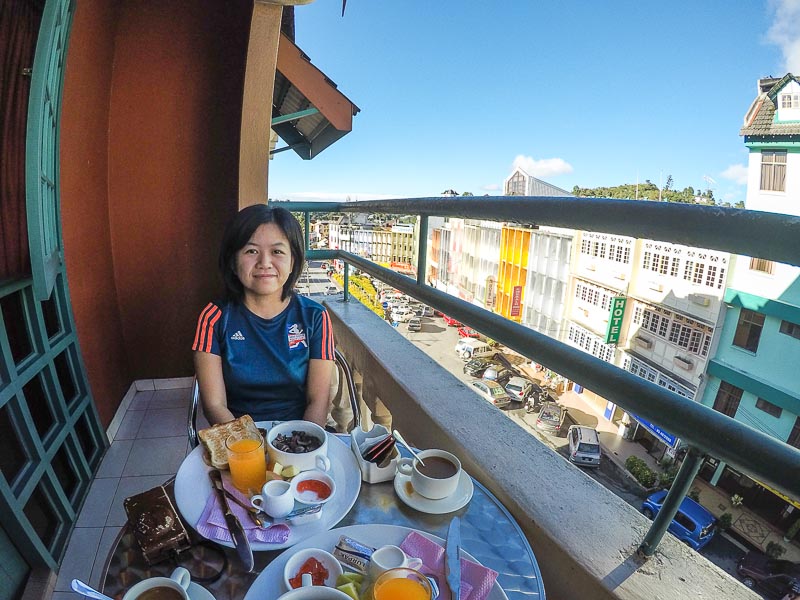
x=437 y=467
x=160 y=593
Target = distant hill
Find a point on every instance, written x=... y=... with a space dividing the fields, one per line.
x=648 y=191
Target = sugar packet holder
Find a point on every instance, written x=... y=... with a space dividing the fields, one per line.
x=371 y=472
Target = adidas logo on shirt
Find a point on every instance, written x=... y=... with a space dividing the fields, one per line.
x=238 y=336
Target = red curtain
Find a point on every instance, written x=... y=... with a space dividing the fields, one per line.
x=19 y=27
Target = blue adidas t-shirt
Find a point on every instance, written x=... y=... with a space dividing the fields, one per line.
x=265 y=361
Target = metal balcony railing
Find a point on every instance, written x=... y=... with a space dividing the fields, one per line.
x=706 y=431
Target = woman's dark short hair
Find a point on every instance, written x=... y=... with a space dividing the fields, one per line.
x=241 y=229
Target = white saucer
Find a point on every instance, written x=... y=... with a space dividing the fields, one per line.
x=459 y=499
x=198 y=592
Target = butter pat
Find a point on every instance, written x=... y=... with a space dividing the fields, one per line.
x=277 y=468
x=289 y=472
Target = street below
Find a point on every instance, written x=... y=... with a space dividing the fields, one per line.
x=438 y=341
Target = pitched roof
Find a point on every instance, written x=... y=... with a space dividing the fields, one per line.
x=760 y=118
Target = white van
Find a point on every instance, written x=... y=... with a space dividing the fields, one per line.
x=584 y=446
x=468 y=348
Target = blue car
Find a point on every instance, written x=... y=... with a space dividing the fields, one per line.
x=692 y=524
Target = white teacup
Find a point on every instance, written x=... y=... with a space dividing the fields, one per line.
x=390 y=557
x=304 y=461
x=276 y=498
x=174 y=586
x=438 y=478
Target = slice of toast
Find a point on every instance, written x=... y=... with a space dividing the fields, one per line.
x=213 y=438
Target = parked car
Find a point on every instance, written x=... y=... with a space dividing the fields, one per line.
x=492 y=391
x=331 y=289
x=414 y=324
x=468 y=348
x=772 y=576
x=451 y=322
x=501 y=375
x=468 y=332
x=551 y=417
x=477 y=366
x=402 y=314
x=693 y=524
x=520 y=387
x=584 y=446
x=424 y=311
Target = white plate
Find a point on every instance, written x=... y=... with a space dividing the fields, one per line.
x=198 y=592
x=269 y=583
x=193 y=487
x=459 y=499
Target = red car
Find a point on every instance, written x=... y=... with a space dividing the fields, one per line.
x=468 y=332
x=451 y=322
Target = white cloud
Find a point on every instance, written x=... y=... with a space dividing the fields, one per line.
x=492 y=187
x=737 y=173
x=785 y=33
x=546 y=167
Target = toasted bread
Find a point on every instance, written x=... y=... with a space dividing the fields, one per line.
x=213 y=438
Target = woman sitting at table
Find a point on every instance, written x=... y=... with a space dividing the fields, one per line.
x=264 y=350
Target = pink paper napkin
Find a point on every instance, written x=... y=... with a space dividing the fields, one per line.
x=476 y=580
x=212 y=522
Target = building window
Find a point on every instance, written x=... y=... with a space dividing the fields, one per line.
x=789 y=328
x=748 y=330
x=794 y=436
x=673 y=272
x=760 y=264
x=790 y=101
x=728 y=398
x=773 y=170
x=698 y=273
x=769 y=408
x=516 y=185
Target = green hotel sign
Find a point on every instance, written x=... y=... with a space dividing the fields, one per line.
x=615 y=319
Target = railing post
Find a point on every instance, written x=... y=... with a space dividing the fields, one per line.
x=307 y=221
x=683 y=480
x=346 y=297
x=422 y=249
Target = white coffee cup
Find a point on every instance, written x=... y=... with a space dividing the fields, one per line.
x=390 y=557
x=178 y=581
x=436 y=480
x=275 y=499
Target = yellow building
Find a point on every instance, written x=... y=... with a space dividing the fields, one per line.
x=513 y=271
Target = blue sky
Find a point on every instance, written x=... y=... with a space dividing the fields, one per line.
x=454 y=93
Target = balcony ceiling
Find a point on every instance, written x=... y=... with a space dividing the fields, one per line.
x=300 y=86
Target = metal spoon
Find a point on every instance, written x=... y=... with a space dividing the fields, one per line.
x=400 y=439
x=82 y=588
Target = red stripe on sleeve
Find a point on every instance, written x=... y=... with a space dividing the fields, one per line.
x=327 y=338
x=205 y=327
x=201 y=324
x=210 y=333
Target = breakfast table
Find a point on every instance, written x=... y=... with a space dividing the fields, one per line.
x=489 y=534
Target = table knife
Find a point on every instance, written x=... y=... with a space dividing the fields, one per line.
x=234 y=526
x=452 y=564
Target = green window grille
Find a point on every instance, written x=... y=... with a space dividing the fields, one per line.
x=52 y=438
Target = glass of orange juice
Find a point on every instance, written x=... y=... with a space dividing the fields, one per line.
x=402 y=584
x=247 y=462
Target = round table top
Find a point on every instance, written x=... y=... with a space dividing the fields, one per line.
x=488 y=532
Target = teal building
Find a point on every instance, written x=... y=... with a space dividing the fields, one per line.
x=754 y=375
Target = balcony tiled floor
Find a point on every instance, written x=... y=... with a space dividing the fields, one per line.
x=146 y=450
